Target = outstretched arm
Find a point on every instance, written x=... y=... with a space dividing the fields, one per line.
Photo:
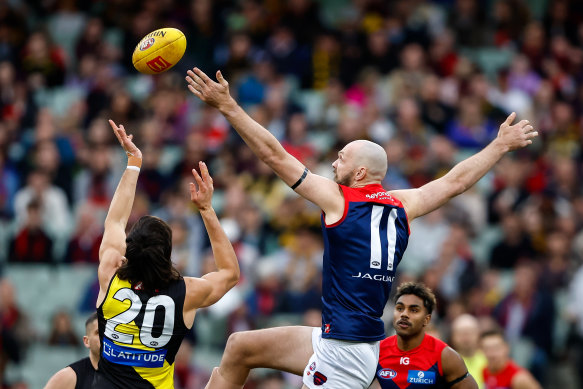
x=205 y=291
x=420 y=201
x=113 y=244
x=455 y=371
x=321 y=191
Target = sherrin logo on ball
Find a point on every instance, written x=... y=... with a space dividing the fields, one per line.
x=159 y=51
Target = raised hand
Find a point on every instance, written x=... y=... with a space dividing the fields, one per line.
x=125 y=140
x=518 y=135
x=202 y=196
x=215 y=94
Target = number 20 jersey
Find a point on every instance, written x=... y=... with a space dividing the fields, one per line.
x=361 y=254
x=140 y=335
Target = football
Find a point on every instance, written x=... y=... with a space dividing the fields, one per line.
x=159 y=51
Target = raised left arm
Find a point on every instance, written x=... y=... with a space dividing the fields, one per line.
x=113 y=244
x=420 y=201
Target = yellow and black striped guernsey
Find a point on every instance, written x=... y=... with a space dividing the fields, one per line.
x=140 y=334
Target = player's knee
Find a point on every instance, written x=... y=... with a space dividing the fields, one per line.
x=238 y=347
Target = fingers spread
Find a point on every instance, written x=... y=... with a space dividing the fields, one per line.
x=193 y=90
x=202 y=75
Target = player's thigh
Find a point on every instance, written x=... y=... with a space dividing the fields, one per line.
x=282 y=348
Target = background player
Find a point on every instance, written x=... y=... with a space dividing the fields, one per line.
x=360 y=219
x=79 y=375
x=502 y=372
x=412 y=358
x=144 y=306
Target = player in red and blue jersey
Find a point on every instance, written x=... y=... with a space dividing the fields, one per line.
x=413 y=359
x=501 y=371
x=365 y=231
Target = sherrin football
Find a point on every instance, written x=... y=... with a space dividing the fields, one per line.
x=159 y=51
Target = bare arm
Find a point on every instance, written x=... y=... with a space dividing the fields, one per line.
x=375 y=384
x=420 y=201
x=524 y=380
x=113 y=244
x=205 y=291
x=321 y=191
x=454 y=369
x=63 y=379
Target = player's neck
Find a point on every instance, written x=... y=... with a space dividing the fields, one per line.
x=360 y=184
x=94 y=360
x=409 y=343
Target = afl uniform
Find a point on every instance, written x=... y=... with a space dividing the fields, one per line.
x=361 y=254
x=502 y=379
x=140 y=335
x=84 y=371
x=419 y=368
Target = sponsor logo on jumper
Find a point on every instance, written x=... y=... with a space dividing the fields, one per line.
x=313 y=366
x=377 y=195
x=404 y=361
x=421 y=377
x=326 y=328
x=375 y=277
x=387 y=374
x=132 y=357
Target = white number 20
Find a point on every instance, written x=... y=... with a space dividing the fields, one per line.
x=147 y=326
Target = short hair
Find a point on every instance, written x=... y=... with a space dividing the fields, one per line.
x=91 y=319
x=420 y=290
x=493 y=332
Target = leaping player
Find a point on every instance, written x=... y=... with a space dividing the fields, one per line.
x=365 y=231
x=145 y=306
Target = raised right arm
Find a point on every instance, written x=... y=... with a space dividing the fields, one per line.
x=205 y=291
x=321 y=191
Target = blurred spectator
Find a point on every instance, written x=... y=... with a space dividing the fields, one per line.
x=465 y=339
x=302 y=274
x=54 y=210
x=31 y=243
x=526 y=315
x=61 y=333
x=15 y=332
x=514 y=246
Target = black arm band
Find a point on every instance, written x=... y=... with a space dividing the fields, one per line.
x=302 y=178
x=452 y=383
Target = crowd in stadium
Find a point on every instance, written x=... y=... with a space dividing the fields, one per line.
x=431 y=81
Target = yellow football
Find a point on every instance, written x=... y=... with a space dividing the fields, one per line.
x=159 y=51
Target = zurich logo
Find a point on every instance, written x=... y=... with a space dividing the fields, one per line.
x=420 y=374
x=387 y=374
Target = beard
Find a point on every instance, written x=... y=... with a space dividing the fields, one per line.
x=345 y=180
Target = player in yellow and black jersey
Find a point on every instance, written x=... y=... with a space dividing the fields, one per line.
x=145 y=307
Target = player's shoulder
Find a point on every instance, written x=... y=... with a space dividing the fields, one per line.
x=64 y=378
x=370 y=193
x=388 y=342
x=434 y=344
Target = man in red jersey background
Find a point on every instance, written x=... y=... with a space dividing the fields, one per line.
x=501 y=371
x=413 y=359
